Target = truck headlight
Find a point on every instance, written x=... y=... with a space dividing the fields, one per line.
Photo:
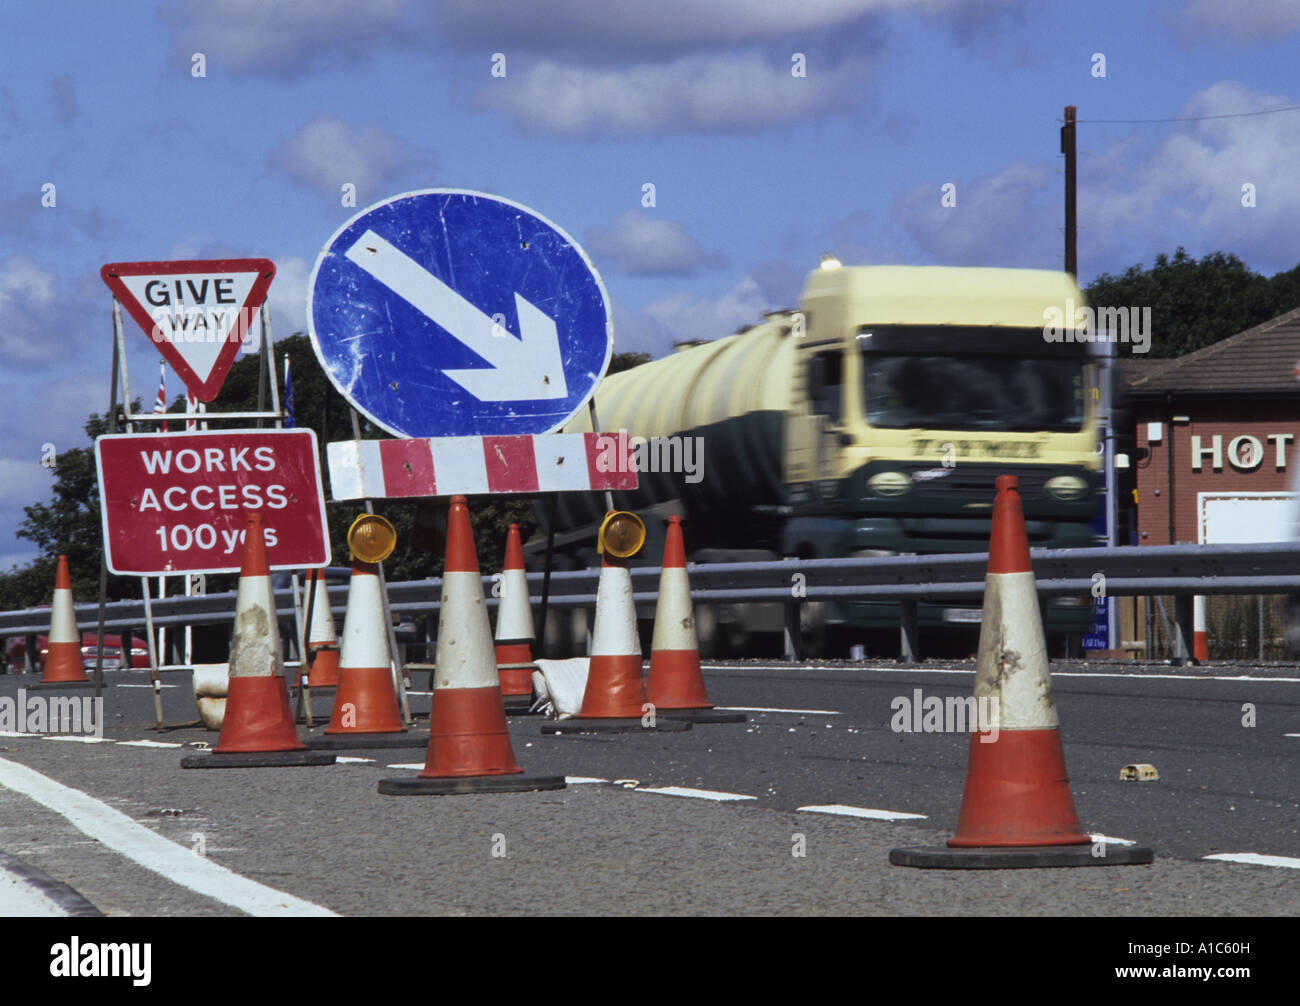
x=891 y=483
x=1066 y=488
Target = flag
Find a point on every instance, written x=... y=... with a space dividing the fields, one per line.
x=192 y=406
x=160 y=403
x=288 y=394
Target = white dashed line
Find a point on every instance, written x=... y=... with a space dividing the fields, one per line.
x=1255 y=859
x=78 y=739
x=699 y=794
x=149 y=744
x=417 y=765
x=763 y=709
x=867 y=812
x=114 y=830
x=1112 y=841
x=350 y=760
x=578 y=780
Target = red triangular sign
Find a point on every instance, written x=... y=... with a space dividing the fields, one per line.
x=195 y=312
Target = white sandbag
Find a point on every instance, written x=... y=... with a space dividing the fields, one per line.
x=211 y=683
x=565 y=683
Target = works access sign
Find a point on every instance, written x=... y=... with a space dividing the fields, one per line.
x=197 y=312
x=179 y=502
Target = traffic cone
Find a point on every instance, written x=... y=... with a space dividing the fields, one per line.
x=675 y=682
x=62 y=664
x=514 y=636
x=258 y=728
x=365 y=701
x=469 y=744
x=1016 y=809
x=1200 y=641
x=325 y=663
x=614 y=700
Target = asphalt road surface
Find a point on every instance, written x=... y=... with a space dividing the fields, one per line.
x=122 y=825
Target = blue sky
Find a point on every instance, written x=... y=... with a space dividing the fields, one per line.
x=756 y=171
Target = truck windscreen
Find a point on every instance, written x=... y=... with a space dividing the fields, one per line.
x=975 y=392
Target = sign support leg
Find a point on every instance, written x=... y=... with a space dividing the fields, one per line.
x=153 y=654
x=103 y=552
x=393 y=651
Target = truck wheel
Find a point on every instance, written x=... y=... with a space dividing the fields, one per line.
x=812 y=629
x=706 y=631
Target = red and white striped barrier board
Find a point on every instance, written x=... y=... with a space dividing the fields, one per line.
x=474 y=466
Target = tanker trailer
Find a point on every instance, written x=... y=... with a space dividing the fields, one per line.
x=873 y=420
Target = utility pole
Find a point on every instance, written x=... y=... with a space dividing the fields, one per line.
x=1071 y=230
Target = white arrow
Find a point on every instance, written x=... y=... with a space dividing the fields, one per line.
x=527 y=369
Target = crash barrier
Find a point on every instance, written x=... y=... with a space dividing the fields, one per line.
x=1179 y=570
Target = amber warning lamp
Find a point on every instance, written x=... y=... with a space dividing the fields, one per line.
x=621 y=534
x=371 y=538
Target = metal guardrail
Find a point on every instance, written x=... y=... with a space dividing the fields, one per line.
x=1179 y=570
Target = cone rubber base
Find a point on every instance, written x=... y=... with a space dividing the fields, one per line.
x=703 y=715
x=349 y=742
x=415 y=786
x=264 y=759
x=942 y=857
x=580 y=725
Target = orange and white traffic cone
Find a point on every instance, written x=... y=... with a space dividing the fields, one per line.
x=62 y=664
x=675 y=682
x=365 y=702
x=1200 y=641
x=321 y=638
x=1016 y=809
x=515 y=634
x=469 y=743
x=615 y=700
x=258 y=728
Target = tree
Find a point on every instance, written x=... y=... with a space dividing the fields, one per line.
x=1194 y=304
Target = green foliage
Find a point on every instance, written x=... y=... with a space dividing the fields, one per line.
x=1197 y=303
x=626 y=361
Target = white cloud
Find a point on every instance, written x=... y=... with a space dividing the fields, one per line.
x=1006 y=219
x=641 y=244
x=616 y=29
x=689 y=95
x=288 y=296
x=328 y=153
x=292 y=37
x=1258 y=21
x=1187 y=189
x=41 y=320
x=682 y=318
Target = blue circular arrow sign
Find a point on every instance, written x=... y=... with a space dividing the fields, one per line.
x=447 y=313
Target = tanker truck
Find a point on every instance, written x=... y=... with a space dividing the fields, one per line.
x=871 y=421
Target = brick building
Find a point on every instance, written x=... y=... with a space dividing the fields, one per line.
x=1228 y=418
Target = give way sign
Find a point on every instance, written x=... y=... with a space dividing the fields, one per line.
x=179 y=502
x=197 y=312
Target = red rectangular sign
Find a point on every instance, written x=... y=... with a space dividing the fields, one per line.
x=179 y=502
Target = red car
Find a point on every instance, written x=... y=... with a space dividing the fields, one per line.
x=16 y=648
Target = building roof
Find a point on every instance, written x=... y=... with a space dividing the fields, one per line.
x=1261 y=360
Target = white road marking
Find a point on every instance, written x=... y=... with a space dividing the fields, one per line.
x=577 y=780
x=149 y=744
x=1112 y=841
x=20 y=900
x=78 y=738
x=699 y=794
x=960 y=670
x=17 y=733
x=1255 y=859
x=350 y=760
x=417 y=765
x=867 y=812
x=765 y=709
x=114 y=830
